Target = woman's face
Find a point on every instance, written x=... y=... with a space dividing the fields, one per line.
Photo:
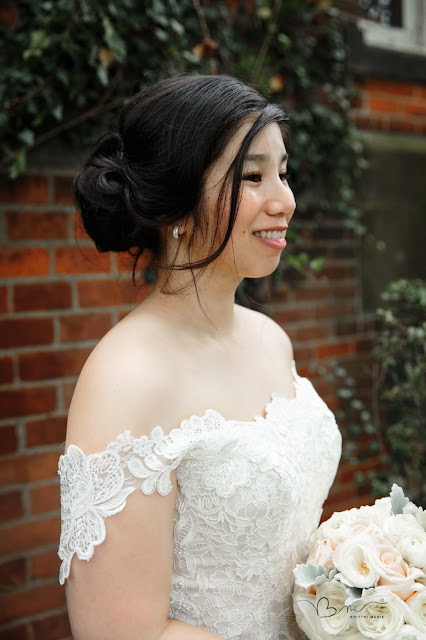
x=267 y=204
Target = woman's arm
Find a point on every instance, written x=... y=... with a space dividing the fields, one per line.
x=123 y=590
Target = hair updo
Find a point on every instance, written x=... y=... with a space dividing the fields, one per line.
x=150 y=173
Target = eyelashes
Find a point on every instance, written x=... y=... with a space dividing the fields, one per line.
x=257 y=177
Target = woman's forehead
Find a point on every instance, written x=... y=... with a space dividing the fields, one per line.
x=268 y=142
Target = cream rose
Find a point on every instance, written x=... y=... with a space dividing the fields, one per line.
x=305 y=610
x=332 y=611
x=379 y=615
x=417 y=607
x=393 y=570
x=321 y=554
x=336 y=529
x=354 y=559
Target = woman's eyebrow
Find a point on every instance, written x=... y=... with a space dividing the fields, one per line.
x=262 y=157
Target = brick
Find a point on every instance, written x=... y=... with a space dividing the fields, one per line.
x=346 y=328
x=311 y=333
x=44 y=431
x=27 y=189
x=6 y=368
x=398 y=125
x=11 y=507
x=44 y=499
x=348 y=470
x=292 y=315
x=344 y=253
x=335 y=310
x=20 y=632
x=23 y=402
x=107 y=293
x=36 y=225
x=8 y=439
x=17 y=262
x=30 y=602
x=311 y=293
x=4 y=300
x=55 y=627
x=303 y=354
x=81 y=260
x=335 y=272
x=30 y=535
x=45 y=565
x=344 y=291
x=20 y=469
x=79 y=232
x=328 y=233
x=52 y=364
x=13 y=573
x=63 y=189
x=335 y=350
x=415 y=108
x=84 y=326
x=42 y=296
x=23 y=332
x=67 y=393
x=393 y=88
x=384 y=105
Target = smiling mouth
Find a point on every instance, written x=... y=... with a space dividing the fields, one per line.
x=269 y=234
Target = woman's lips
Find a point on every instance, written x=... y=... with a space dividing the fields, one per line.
x=274 y=243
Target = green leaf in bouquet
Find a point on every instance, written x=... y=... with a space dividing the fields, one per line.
x=307 y=575
x=398 y=500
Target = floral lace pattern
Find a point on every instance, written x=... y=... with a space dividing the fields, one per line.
x=249 y=494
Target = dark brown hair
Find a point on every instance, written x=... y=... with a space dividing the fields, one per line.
x=150 y=173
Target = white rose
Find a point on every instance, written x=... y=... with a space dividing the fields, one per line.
x=407 y=632
x=413 y=548
x=379 y=615
x=332 y=611
x=377 y=512
x=401 y=525
x=354 y=559
x=417 y=607
x=305 y=610
x=421 y=517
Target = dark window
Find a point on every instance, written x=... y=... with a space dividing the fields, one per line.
x=383 y=11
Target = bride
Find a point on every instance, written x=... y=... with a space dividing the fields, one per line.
x=196 y=459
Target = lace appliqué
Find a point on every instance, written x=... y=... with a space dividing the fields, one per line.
x=96 y=486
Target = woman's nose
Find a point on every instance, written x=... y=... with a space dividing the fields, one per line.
x=281 y=202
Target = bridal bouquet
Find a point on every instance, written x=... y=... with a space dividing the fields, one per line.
x=365 y=576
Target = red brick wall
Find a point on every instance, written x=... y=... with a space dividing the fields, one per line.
x=398 y=107
x=57 y=299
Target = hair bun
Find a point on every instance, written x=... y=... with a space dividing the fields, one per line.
x=102 y=193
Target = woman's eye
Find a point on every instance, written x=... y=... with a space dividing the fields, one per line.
x=253 y=177
x=285 y=176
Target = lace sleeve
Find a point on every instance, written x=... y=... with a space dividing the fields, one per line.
x=96 y=486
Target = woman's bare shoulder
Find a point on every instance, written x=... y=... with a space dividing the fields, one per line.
x=123 y=385
x=264 y=327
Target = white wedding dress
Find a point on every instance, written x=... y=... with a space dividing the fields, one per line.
x=249 y=494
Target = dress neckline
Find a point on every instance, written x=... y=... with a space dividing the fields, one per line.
x=187 y=424
x=273 y=397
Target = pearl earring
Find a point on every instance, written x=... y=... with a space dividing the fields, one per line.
x=176 y=231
